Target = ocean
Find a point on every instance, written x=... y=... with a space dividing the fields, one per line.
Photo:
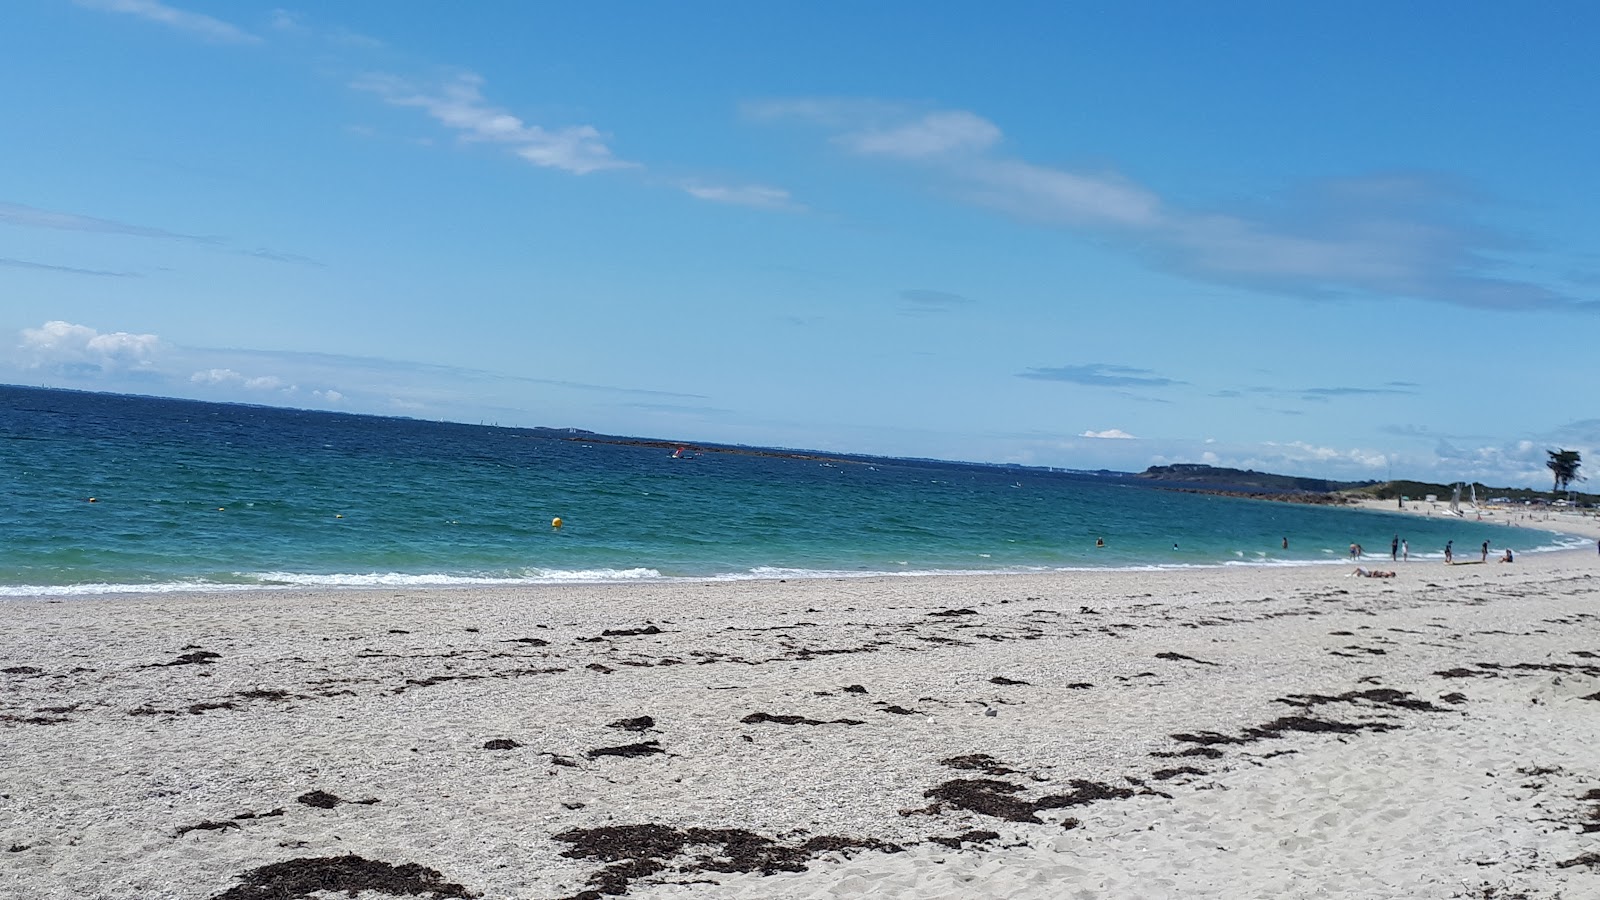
x=103 y=493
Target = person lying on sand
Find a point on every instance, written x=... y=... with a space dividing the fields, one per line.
x=1372 y=573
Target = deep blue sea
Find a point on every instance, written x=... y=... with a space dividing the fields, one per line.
x=190 y=495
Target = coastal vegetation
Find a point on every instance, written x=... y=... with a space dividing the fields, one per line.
x=1564 y=465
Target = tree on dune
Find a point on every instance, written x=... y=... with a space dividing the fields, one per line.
x=1564 y=463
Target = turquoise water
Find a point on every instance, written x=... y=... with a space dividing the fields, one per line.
x=191 y=495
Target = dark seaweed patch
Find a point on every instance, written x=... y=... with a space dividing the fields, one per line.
x=197 y=658
x=639 y=851
x=1207 y=752
x=264 y=694
x=978 y=762
x=758 y=718
x=954 y=612
x=1374 y=696
x=301 y=879
x=1004 y=681
x=630 y=632
x=627 y=751
x=432 y=680
x=207 y=825
x=986 y=796
x=642 y=723
x=954 y=842
x=991 y=797
x=31 y=720
x=319 y=799
x=1177 y=657
x=501 y=744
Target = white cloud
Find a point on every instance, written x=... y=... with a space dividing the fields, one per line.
x=1109 y=434
x=195 y=23
x=63 y=345
x=249 y=383
x=1296 y=452
x=753 y=195
x=459 y=105
x=217 y=376
x=1377 y=236
x=328 y=396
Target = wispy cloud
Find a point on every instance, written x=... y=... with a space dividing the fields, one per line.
x=918 y=301
x=1100 y=375
x=1112 y=434
x=1324 y=393
x=198 y=24
x=72 y=270
x=933 y=135
x=752 y=195
x=1586 y=431
x=33 y=217
x=280 y=256
x=458 y=104
x=1394 y=235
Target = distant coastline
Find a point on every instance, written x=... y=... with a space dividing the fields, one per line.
x=1314 y=499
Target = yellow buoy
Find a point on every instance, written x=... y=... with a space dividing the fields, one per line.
x=556 y=522
x=338 y=515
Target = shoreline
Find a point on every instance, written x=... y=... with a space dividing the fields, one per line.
x=1010 y=706
x=1576 y=525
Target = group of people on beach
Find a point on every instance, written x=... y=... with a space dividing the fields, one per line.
x=1400 y=551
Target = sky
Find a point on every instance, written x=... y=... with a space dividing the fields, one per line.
x=1353 y=240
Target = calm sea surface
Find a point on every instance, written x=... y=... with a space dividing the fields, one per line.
x=190 y=495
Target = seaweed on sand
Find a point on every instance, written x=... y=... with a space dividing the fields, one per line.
x=302 y=879
x=639 y=851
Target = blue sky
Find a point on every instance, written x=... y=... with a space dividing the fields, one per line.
x=1351 y=240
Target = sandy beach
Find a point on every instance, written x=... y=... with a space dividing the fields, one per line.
x=1228 y=732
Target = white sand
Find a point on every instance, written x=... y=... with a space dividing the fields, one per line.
x=1481 y=799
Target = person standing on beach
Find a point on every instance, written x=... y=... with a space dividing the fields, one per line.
x=1394 y=549
x=1449 y=555
x=1405 y=550
x=1485 y=552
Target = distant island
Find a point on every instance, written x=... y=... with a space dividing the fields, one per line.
x=1197 y=478
x=1203 y=479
